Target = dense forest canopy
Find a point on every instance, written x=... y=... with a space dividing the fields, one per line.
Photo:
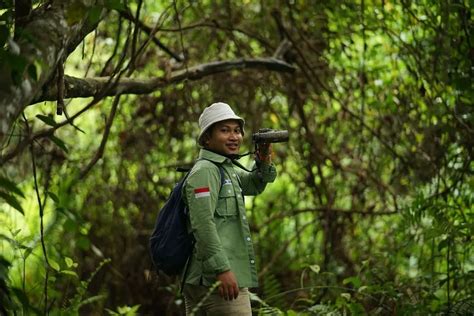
x=372 y=209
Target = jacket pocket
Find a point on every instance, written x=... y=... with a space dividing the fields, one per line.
x=226 y=204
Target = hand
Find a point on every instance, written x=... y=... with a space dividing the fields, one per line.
x=228 y=289
x=264 y=152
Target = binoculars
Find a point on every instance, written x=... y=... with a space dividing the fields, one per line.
x=268 y=135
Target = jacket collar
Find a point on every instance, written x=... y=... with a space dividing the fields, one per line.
x=210 y=155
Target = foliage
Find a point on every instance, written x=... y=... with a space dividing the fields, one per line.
x=125 y=310
x=372 y=211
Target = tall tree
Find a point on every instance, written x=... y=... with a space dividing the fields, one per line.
x=33 y=61
x=372 y=209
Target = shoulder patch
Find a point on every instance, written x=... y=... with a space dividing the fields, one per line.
x=202 y=192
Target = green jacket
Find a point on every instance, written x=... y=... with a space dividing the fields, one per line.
x=218 y=221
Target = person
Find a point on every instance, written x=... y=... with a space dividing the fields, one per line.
x=223 y=247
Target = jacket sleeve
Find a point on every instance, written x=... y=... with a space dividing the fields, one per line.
x=255 y=182
x=202 y=191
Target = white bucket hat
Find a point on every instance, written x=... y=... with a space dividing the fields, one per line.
x=217 y=112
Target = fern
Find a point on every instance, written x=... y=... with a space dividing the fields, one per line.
x=201 y=302
x=78 y=300
x=265 y=308
x=271 y=288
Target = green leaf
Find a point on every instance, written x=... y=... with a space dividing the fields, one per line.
x=75 y=12
x=115 y=5
x=254 y=297
x=47 y=119
x=354 y=280
x=7 y=4
x=347 y=296
x=77 y=128
x=12 y=201
x=59 y=143
x=53 y=264
x=10 y=186
x=16 y=232
x=4 y=33
x=17 y=62
x=94 y=15
x=69 y=272
x=6 y=238
x=22 y=297
x=357 y=309
x=443 y=244
x=53 y=196
x=69 y=262
x=315 y=268
x=32 y=72
x=28 y=252
x=91 y=300
x=83 y=243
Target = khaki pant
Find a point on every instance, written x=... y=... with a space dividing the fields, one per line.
x=215 y=305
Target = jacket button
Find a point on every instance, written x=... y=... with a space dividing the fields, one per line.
x=252 y=261
x=248 y=238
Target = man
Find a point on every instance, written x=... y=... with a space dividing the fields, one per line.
x=214 y=193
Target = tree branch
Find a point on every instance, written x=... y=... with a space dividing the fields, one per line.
x=100 y=87
x=22 y=13
x=100 y=151
x=215 y=25
x=282 y=249
x=150 y=32
x=282 y=215
x=53 y=37
x=83 y=88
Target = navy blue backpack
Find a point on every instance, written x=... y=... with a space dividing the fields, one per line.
x=170 y=243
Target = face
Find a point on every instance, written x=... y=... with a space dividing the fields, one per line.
x=226 y=137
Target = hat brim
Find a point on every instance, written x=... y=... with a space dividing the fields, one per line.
x=222 y=118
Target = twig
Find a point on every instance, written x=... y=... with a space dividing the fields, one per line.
x=151 y=33
x=183 y=52
x=145 y=44
x=100 y=151
x=99 y=93
x=41 y=213
x=282 y=215
x=116 y=46
x=133 y=54
x=60 y=87
x=94 y=44
x=280 y=251
x=129 y=69
x=216 y=25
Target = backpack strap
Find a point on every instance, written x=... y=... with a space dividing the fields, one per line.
x=188 y=263
x=221 y=170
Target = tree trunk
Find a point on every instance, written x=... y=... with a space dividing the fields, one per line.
x=50 y=34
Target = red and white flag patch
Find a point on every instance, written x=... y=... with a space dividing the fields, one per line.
x=202 y=192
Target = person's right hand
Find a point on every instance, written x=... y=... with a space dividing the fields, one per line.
x=264 y=152
x=228 y=289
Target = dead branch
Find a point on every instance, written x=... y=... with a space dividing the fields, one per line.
x=89 y=87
